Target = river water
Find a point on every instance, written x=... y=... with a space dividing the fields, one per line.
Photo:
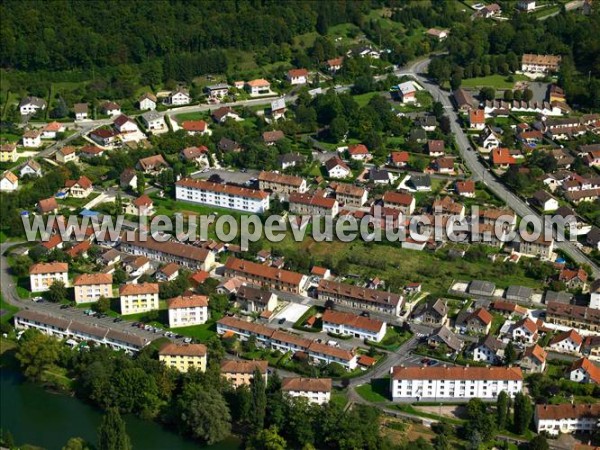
x=36 y=416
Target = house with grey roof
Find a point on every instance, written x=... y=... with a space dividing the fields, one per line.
x=443 y=335
x=518 y=293
x=482 y=288
x=489 y=349
x=31 y=105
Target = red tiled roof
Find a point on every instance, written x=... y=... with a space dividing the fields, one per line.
x=258 y=270
x=502 y=156
x=306 y=384
x=569 y=334
x=231 y=366
x=137 y=289
x=592 y=370
x=191 y=301
x=172 y=348
x=477 y=116
x=358 y=149
x=537 y=352
x=194 y=125
x=400 y=157
x=47 y=205
x=93 y=278
x=398 y=198
x=296 y=73
x=352 y=320
x=54 y=267
x=567 y=411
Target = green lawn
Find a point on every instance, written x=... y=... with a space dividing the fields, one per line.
x=377 y=391
x=201 y=332
x=495 y=81
x=363 y=99
x=7 y=310
x=191 y=116
x=394 y=338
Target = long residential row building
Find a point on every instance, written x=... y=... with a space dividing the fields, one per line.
x=567 y=418
x=317 y=352
x=439 y=383
x=347 y=324
x=360 y=298
x=72 y=329
x=261 y=275
x=170 y=252
x=222 y=195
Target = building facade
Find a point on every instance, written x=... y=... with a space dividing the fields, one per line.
x=222 y=195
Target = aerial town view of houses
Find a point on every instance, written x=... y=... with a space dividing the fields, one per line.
x=419 y=120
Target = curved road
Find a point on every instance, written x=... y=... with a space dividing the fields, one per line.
x=479 y=171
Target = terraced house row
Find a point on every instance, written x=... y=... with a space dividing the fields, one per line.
x=71 y=329
x=317 y=352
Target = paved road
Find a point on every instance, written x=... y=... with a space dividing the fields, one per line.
x=479 y=171
x=9 y=294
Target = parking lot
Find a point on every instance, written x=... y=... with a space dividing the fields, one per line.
x=291 y=313
x=228 y=176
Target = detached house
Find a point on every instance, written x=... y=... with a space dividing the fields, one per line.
x=154 y=121
x=81 y=111
x=534 y=359
x=407 y=92
x=489 y=350
x=141 y=206
x=152 y=164
x=194 y=127
x=489 y=139
x=359 y=152
x=258 y=87
x=465 y=188
x=66 y=154
x=336 y=168
x=502 y=159
x=241 y=373
x=397 y=200
x=32 y=138
x=297 y=76
x=479 y=322
x=399 y=159
x=147 y=102
x=52 y=129
x=9 y=182
x=568 y=341
x=31 y=105
x=436 y=148
x=110 y=109
x=128 y=179
x=526 y=331
x=80 y=188
x=8 y=153
x=255 y=300
x=544 y=201
x=477 y=119
x=198 y=155
x=179 y=97
x=584 y=371
x=272 y=137
x=220 y=115
x=432 y=312
x=48 y=205
x=574 y=279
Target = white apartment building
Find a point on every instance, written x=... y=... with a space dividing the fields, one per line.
x=347 y=324
x=316 y=390
x=567 y=418
x=222 y=195
x=453 y=383
x=89 y=287
x=187 y=311
x=540 y=63
x=138 y=298
x=42 y=275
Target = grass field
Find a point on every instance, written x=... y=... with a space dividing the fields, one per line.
x=495 y=81
x=201 y=332
x=399 y=266
x=376 y=391
x=191 y=116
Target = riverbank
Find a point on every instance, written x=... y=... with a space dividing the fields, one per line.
x=47 y=419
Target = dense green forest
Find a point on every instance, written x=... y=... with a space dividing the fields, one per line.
x=486 y=47
x=60 y=35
